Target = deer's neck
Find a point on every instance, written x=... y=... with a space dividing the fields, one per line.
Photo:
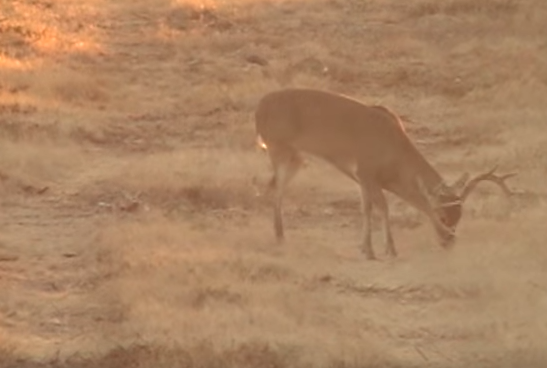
x=412 y=169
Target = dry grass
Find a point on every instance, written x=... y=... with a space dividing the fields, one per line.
x=130 y=233
x=465 y=7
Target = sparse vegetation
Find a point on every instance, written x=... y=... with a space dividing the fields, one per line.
x=130 y=232
x=465 y=7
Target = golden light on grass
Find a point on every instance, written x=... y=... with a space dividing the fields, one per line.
x=51 y=27
x=55 y=43
x=14 y=64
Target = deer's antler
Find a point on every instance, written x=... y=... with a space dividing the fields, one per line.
x=487 y=176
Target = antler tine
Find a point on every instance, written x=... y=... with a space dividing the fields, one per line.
x=487 y=176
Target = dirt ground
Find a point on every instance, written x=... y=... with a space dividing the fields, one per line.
x=130 y=230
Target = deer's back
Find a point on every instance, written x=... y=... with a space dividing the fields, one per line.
x=327 y=124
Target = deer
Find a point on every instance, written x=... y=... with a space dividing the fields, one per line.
x=370 y=146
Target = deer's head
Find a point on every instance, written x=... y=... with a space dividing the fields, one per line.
x=446 y=201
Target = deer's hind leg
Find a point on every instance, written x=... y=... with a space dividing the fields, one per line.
x=285 y=161
x=366 y=208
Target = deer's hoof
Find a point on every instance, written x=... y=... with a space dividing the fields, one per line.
x=369 y=255
x=391 y=253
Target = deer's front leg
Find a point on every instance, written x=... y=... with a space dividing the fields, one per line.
x=379 y=200
x=366 y=206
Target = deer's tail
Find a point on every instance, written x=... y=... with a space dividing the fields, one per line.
x=260 y=143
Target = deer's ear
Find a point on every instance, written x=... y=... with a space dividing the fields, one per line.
x=440 y=189
x=460 y=183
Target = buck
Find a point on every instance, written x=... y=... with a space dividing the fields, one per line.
x=369 y=145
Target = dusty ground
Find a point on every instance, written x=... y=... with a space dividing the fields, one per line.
x=130 y=234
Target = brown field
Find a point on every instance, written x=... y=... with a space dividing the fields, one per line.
x=130 y=230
